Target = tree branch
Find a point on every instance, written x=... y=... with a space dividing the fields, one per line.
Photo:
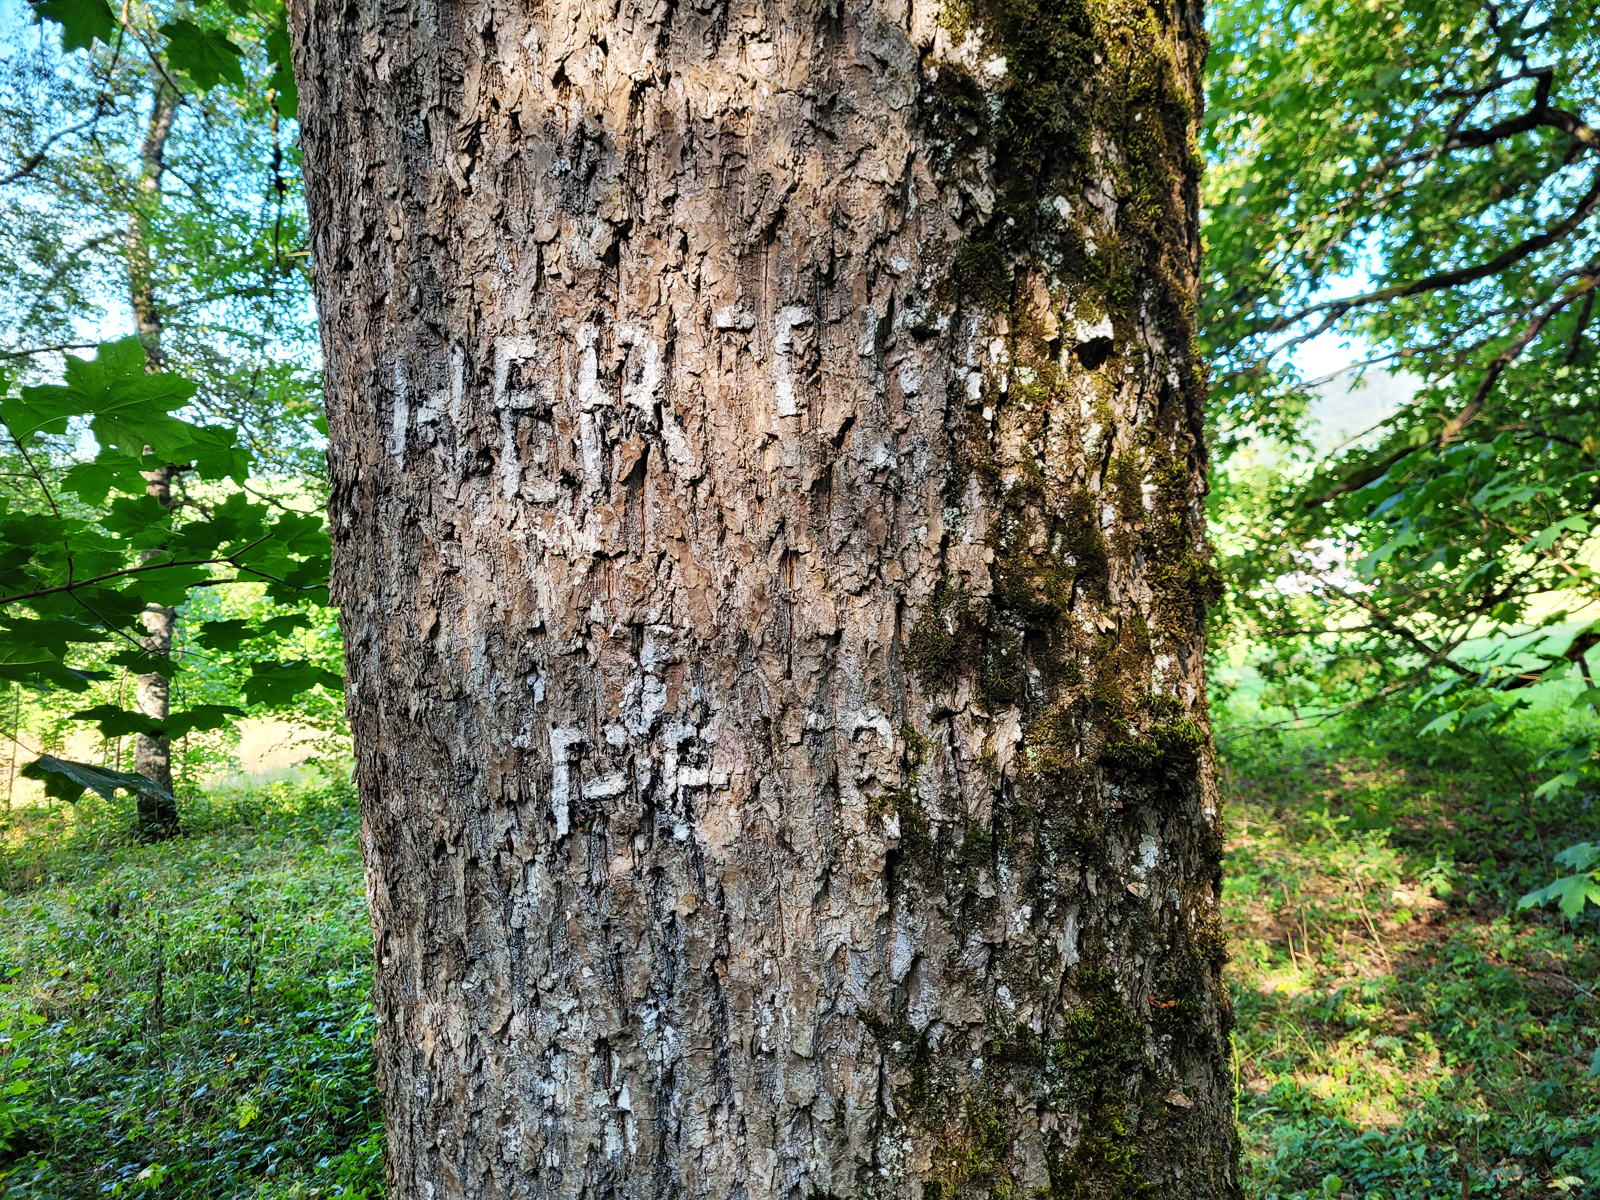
x=1442 y=279
x=47 y=349
x=1452 y=427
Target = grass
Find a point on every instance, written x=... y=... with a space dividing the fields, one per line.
x=190 y=1019
x=187 y=1019
x=1402 y=1032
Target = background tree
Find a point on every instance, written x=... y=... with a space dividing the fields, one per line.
x=766 y=475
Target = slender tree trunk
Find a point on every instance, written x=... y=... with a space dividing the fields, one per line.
x=147 y=319
x=152 y=756
x=766 y=464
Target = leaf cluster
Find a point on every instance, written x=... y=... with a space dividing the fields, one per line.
x=81 y=574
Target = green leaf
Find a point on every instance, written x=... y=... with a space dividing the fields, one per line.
x=1573 y=892
x=117 y=722
x=23 y=662
x=217 y=453
x=67 y=780
x=130 y=407
x=142 y=662
x=232 y=634
x=49 y=635
x=93 y=481
x=81 y=21
x=287 y=99
x=224 y=635
x=1581 y=857
x=130 y=516
x=204 y=55
x=170 y=585
x=273 y=683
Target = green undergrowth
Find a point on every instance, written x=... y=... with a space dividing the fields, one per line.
x=190 y=1018
x=1402 y=1032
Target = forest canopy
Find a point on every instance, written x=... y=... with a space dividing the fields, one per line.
x=1417 y=185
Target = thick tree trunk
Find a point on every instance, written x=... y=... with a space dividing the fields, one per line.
x=157 y=816
x=767 y=514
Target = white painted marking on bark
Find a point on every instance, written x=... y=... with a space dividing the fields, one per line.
x=679 y=453
x=646 y=700
x=606 y=786
x=402 y=412
x=783 y=325
x=1149 y=855
x=1020 y=919
x=645 y=367
x=561 y=743
x=867 y=347
x=590 y=394
x=458 y=379
x=590 y=448
x=734 y=318
x=510 y=468
x=509 y=350
x=1083 y=332
x=870 y=719
x=902 y=953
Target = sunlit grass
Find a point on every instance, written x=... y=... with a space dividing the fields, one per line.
x=1401 y=1031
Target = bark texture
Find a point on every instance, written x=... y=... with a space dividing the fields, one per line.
x=766 y=463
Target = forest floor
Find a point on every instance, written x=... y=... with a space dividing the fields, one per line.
x=1402 y=1031
x=190 y=1019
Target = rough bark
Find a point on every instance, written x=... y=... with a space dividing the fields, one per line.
x=766 y=496
x=157 y=816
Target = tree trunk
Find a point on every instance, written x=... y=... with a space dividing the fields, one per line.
x=157 y=816
x=766 y=465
